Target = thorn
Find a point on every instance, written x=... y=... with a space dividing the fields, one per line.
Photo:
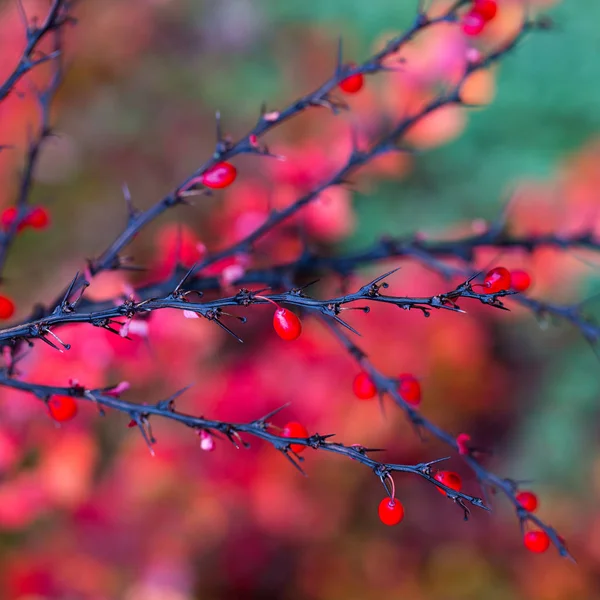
x=65 y=302
x=437 y=460
x=364 y=309
x=385 y=477
x=384 y=276
x=466 y=510
x=263 y=419
x=115 y=331
x=286 y=453
x=130 y=208
x=472 y=278
x=48 y=332
x=346 y=325
x=242 y=320
x=225 y=328
x=235 y=438
x=168 y=403
x=187 y=275
x=148 y=438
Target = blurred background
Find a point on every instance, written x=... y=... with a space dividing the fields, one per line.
x=85 y=511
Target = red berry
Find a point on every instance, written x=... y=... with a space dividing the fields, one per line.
x=473 y=23
x=286 y=324
x=363 y=386
x=536 y=541
x=352 y=84
x=528 y=500
x=519 y=280
x=449 y=479
x=295 y=430
x=62 y=408
x=497 y=280
x=410 y=389
x=7 y=307
x=486 y=8
x=38 y=218
x=219 y=176
x=8 y=217
x=391 y=511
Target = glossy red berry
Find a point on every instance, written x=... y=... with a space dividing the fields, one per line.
x=7 y=308
x=295 y=430
x=519 y=280
x=528 y=500
x=352 y=84
x=391 y=511
x=497 y=280
x=363 y=386
x=410 y=389
x=219 y=176
x=62 y=408
x=286 y=324
x=449 y=479
x=473 y=23
x=38 y=218
x=486 y=8
x=536 y=541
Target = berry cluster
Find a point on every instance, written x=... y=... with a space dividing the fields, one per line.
x=408 y=387
x=36 y=218
x=500 y=279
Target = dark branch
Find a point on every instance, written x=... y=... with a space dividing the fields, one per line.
x=259 y=429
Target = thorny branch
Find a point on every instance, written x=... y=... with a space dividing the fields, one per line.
x=430 y=253
x=259 y=428
x=488 y=480
x=323 y=96
x=45 y=98
x=212 y=310
x=58 y=15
